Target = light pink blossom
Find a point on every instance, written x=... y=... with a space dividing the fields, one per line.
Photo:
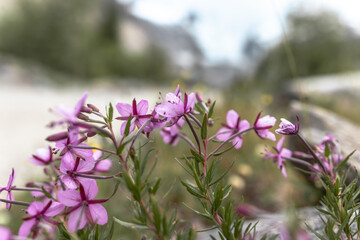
x=262 y=126
x=84 y=210
x=138 y=112
x=101 y=166
x=5 y=233
x=287 y=128
x=71 y=168
x=70 y=114
x=9 y=195
x=233 y=125
x=170 y=134
x=280 y=155
x=174 y=106
x=39 y=212
x=42 y=157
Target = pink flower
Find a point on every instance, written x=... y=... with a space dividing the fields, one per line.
x=69 y=113
x=9 y=195
x=68 y=146
x=330 y=140
x=83 y=208
x=39 y=212
x=280 y=155
x=170 y=134
x=137 y=112
x=233 y=126
x=69 y=170
x=262 y=126
x=175 y=106
x=42 y=157
x=287 y=128
x=101 y=166
x=5 y=233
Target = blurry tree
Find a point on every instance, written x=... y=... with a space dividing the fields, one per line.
x=313 y=43
x=77 y=37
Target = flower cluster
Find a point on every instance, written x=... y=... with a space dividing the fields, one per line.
x=73 y=167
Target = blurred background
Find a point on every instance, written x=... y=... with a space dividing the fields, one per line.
x=281 y=57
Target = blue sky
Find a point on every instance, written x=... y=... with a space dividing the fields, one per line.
x=222 y=26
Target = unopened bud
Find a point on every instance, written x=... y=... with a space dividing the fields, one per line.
x=199 y=97
x=82 y=117
x=93 y=107
x=47 y=172
x=210 y=122
x=85 y=109
x=91 y=134
x=209 y=101
x=57 y=137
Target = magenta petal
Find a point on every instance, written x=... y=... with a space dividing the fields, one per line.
x=237 y=142
x=80 y=103
x=9 y=196
x=191 y=102
x=90 y=188
x=124 y=109
x=25 y=227
x=69 y=198
x=97 y=155
x=142 y=107
x=67 y=162
x=98 y=213
x=243 y=125
x=103 y=165
x=77 y=220
x=54 y=209
x=86 y=165
x=224 y=134
x=83 y=153
x=286 y=153
x=35 y=208
x=280 y=143
x=11 y=179
x=68 y=181
x=232 y=118
x=5 y=233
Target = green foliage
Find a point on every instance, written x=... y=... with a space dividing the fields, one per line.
x=65 y=36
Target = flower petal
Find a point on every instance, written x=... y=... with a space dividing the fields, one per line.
x=98 y=213
x=69 y=198
x=142 y=107
x=232 y=118
x=124 y=109
x=77 y=219
x=26 y=227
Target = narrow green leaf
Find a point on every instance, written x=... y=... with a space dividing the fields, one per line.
x=197 y=212
x=327 y=150
x=226 y=150
x=127 y=127
x=211 y=110
x=197 y=156
x=131 y=225
x=48 y=195
x=222 y=175
x=204 y=127
x=111 y=112
x=342 y=164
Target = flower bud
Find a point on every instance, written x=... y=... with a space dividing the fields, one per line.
x=82 y=117
x=85 y=109
x=199 y=97
x=57 y=137
x=91 y=134
x=93 y=107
